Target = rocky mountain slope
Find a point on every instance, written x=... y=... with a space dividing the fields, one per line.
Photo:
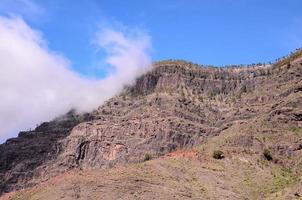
x=252 y=116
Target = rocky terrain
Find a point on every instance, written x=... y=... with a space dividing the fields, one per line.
x=182 y=131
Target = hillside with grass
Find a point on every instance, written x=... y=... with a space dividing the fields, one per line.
x=182 y=131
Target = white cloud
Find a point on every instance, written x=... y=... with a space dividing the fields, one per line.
x=37 y=84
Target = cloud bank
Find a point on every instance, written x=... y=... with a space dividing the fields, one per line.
x=37 y=84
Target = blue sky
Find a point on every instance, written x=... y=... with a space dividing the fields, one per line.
x=217 y=32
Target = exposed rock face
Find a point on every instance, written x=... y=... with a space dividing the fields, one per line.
x=176 y=105
x=21 y=157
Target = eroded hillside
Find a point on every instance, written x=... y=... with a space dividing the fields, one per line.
x=252 y=114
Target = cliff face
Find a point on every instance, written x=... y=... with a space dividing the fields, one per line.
x=176 y=105
x=172 y=107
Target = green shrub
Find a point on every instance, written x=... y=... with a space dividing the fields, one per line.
x=267 y=155
x=296 y=130
x=217 y=154
x=211 y=94
x=147 y=157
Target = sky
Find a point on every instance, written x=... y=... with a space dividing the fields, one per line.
x=62 y=54
x=216 y=32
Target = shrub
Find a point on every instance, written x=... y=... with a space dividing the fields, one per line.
x=147 y=157
x=267 y=155
x=217 y=154
x=211 y=94
x=296 y=130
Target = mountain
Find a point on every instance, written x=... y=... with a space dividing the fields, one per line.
x=182 y=131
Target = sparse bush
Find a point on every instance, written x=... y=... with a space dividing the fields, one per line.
x=218 y=154
x=147 y=157
x=243 y=89
x=296 y=130
x=210 y=94
x=267 y=154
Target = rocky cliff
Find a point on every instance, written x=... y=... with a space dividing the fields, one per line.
x=177 y=105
